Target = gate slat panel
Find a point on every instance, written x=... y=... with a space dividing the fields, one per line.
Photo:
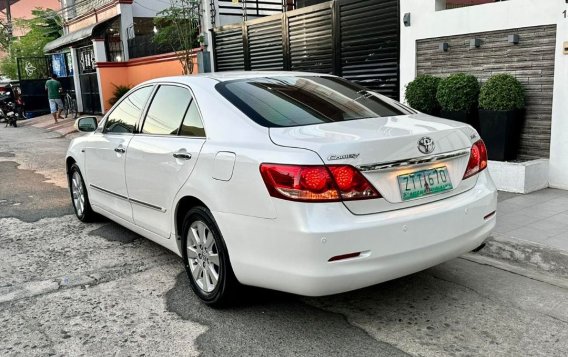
x=370 y=52
x=311 y=45
x=357 y=39
x=265 y=45
x=229 y=52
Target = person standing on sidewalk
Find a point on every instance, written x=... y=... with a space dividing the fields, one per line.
x=53 y=88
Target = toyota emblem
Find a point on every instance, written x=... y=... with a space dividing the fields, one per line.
x=426 y=145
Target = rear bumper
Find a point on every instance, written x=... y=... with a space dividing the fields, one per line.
x=291 y=253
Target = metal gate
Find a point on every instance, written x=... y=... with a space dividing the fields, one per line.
x=33 y=72
x=88 y=80
x=356 y=39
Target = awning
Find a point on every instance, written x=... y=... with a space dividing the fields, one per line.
x=74 y=36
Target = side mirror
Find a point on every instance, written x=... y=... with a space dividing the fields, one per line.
x=86 y=124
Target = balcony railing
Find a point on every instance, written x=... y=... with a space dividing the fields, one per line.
x=75 y=8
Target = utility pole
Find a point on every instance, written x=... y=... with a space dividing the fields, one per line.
x=8 y=19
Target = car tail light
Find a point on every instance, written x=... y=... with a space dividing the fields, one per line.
x=477 y=159
x=351 y=183
x=316 y=183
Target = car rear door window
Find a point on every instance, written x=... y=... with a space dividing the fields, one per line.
x=123 y=118
x=192 y=122
x=167 y=110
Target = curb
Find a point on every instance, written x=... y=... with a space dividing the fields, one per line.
x=525 y=255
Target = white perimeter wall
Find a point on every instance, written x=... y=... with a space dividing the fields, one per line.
x=426 y=22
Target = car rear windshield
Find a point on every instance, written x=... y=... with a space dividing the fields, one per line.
x=284 y=101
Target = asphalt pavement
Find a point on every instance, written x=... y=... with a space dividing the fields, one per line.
x=72 y=289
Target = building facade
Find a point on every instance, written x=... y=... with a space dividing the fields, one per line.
x=110 y=42
x=107 y=42
x=539 y=60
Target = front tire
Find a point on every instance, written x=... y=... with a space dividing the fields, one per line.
x=79 y=195
x=206 y=259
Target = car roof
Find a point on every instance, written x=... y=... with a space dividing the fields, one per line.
x=230 y=75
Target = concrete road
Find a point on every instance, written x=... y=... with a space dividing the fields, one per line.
x=68 y=288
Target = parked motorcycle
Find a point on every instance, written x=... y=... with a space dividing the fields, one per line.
x=8 y=111
x=11 y=107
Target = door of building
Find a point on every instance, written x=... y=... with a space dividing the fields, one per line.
x=88 y=80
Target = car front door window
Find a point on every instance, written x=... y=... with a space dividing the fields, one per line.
x=124 y=117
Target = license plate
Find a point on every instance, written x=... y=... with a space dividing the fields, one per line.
x=422 y=183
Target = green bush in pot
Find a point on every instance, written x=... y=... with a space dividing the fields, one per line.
x=501 y=103
x=118 y=92
x=421 y=94
x=458 y=96
x=502 y=92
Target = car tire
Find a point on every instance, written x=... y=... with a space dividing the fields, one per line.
x=80 y=196
x=206 y=259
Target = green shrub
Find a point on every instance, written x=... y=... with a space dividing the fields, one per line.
x=458 y=92
x=421 y=94
x=502 y=92
x=118 y=92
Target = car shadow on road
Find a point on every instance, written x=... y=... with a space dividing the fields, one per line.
x=25 y=195
x=114 y=232
x=267 y=322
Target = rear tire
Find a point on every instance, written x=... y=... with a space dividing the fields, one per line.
x=66 y=107
x=80 y=196
x=206 y=259
x=74 y=109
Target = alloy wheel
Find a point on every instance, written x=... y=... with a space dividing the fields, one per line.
x=203 y=256
x=78 y=192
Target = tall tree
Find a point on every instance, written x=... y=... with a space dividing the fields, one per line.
x=46 y=25
x=178 y=27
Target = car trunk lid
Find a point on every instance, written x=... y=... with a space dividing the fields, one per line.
x=385 y=148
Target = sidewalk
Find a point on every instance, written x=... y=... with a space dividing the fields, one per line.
x=531 y=235
x=63 y=127
x=539 y=217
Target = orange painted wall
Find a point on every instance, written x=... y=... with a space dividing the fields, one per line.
x=108 y=78
x=136 y=71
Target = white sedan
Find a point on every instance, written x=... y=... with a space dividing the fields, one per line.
x=299 y=182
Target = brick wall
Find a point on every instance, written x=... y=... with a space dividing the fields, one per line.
x=531 y=61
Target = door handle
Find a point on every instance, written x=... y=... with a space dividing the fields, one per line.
x=120 y=150
x=182 y=155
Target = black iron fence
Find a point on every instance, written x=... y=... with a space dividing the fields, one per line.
x=144 y=45
x=355 y=39
x=33 y=72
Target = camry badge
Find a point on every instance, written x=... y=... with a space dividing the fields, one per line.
x=343 y=157
x=426 y=145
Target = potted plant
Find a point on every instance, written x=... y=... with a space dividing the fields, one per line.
x=501 y=103
x=118 y=92
x=458 y=96
x=421 y=94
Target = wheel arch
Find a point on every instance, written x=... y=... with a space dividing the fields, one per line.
x=182 y=207
x=69 y=161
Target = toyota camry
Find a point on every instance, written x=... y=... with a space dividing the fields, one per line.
x=299 y=182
